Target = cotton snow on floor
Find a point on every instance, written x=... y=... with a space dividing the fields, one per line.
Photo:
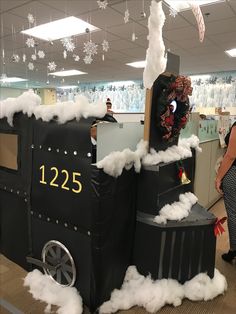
x=43 y=288
x=153 y=295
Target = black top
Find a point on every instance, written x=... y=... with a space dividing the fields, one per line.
x=227 y=140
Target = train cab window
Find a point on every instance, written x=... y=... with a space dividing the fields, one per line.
x=9 y=151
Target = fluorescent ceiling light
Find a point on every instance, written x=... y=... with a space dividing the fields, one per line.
x=67 y=73
x=181 y=5
x=231 y=52
x=137 y=64
x=12 y=79
x=58 y=29
x=68 y=87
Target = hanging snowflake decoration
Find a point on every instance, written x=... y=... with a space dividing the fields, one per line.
x=173 y=12
x=24 y=57
x=102 y=4
x=76 y=58
x=15 y=58
x=68 y=44
x=34 y=57
x=133 y=37
x=52 y=66
x=105 y=45
x=30 y=18
x=90 y=48
x=126 y=17
x=64 y=54
x=41 y=54
x=30 y=66
x=88 y=59
x=30 y=42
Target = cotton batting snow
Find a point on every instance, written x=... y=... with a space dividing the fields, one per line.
x=177 y=210
x=138 y=290
x=29 y=102
x=43 y=288
x=114 y=163
x=173 y=153
x=26 y=103
x=155 y=56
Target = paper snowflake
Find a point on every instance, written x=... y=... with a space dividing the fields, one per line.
x=41 y=54
x=88 y=59
x=126 y=17
x=76 y=58
x=30 y=66
x=30 y=42
x=52 y=66
x=90 y=48
x=34 y=57
x=173 y=12
x=102 y=4
x=24 y=57
x=133 y=37
x=68 y=44
x=15 y=58
x=105 y=45
x=64 y=54
x=30 y=18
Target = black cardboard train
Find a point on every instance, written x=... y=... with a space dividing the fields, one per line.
x=83 y=227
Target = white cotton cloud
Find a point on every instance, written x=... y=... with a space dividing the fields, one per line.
x=201 y=287
x=29 y=102
x=153 y=295
x=114 y=163
x=43 y=288
x=177 y=210
x=25 y=103
x=155 y=56
x=173 y=153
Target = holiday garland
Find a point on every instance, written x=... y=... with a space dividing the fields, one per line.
x=170 y=121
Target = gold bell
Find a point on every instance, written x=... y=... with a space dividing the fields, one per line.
x=184 y=179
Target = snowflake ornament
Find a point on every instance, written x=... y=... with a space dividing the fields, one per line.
x=90 y=48
x=30 y=18
x=30 y=66
x=68 y=44
x=64 y=54
x=105 y=45
x=24 y=57
x=102 y=4
x=30 y=42
x=34 y=57
x=133 y=37
x=41 y=54
x=15 y=58
x=76 y=58
x=126 y=17
x=88 y=59
x=173 y=12
x=52 y=66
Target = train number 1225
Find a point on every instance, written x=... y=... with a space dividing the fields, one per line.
x=66 y=179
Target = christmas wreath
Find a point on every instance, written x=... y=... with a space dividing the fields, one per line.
x=170 y=121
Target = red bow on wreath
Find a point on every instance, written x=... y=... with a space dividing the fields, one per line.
x=218 y=228
x=181 y=88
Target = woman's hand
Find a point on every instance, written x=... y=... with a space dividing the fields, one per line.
x=218 y=185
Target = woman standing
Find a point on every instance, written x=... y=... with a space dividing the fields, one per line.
x=225 y=184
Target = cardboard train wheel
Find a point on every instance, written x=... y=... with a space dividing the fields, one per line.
x=55 y=254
